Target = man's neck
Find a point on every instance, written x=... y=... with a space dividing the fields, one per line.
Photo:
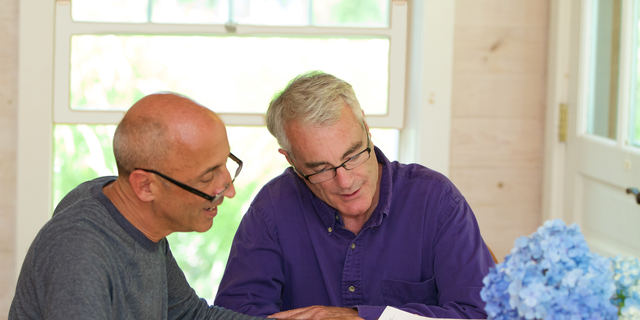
x=125 y=200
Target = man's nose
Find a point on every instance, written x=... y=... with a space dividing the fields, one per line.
x=344 y=177
x=231 y=191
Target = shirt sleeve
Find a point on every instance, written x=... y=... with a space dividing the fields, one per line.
x=253 y=278
x=461 y=260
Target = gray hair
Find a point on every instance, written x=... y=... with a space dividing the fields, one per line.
x=314 y=98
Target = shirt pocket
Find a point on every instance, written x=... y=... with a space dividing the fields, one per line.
x=395 y=291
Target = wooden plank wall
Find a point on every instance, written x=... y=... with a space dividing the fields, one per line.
x=8 y=148
x=498 y=110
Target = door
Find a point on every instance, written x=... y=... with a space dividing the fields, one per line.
x=603 y=148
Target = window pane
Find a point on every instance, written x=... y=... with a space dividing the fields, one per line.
x=387 y=140
x=109 y=10
x=635 y=122
x=352 y=13
x=225 y=73
x=605 y=66
x=270 y=12
x=190 y=11
x=80 y=152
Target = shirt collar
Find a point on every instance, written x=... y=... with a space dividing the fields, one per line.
x=129 y=228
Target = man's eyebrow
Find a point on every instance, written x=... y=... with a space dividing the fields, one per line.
x=351 y=150
x=355 y=147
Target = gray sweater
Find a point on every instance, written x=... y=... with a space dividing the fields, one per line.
x=89 y=262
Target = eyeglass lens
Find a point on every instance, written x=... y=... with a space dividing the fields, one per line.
x=348 y=165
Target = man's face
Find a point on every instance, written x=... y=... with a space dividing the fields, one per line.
x=316 y=148
x=200 y=164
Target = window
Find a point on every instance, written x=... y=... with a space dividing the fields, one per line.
x=231 y=56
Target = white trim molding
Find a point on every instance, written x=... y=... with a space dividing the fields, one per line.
x=426 y=136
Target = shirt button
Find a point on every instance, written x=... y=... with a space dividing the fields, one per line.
x=330 y=229
x=352 y=289
x=353 y=246
x=337 y=218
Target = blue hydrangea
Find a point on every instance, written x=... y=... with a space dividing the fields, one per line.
x=627 y=278
x=551 y=275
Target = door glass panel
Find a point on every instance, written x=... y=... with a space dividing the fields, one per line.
x=635 y=123
x=225 y=73
x=634 y=110
x=602 y=117
x=83 y=152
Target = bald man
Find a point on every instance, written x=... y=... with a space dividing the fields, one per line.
x=103 y=254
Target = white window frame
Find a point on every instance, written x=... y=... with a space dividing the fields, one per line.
x=424 y=138
x=65 y=28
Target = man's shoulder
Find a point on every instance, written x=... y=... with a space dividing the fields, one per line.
x=83 y=224
x=80 y=220
x=280 y=197
x=283 y=186
x=414 y=175
x=417 y=171
x=82 y=192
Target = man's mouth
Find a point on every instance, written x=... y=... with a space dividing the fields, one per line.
x=348 y=195
x=210 y=209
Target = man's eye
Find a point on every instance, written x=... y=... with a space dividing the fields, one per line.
x=322 y=170
x=208 y=177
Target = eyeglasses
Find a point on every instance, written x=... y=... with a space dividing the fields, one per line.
x=230 y=164
x=350 y=164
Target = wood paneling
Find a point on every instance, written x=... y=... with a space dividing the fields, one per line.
x=8 y=148
x=481 y=95
x=515 y=188
x=506 y=13
x=499 y=50
x=500 y=227
x=496 y=142
x=498 y=103
x=7 y=258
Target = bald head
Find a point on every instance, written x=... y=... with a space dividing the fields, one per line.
x=159 y=127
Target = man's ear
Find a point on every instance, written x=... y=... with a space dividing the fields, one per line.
x=141 y=185
x=286 y=155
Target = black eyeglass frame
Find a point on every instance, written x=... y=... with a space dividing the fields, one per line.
x=197 y=192
x=335 y=169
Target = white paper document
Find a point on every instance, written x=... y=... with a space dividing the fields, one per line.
x=391 y=313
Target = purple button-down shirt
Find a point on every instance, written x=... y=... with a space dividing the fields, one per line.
x=420 y=251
